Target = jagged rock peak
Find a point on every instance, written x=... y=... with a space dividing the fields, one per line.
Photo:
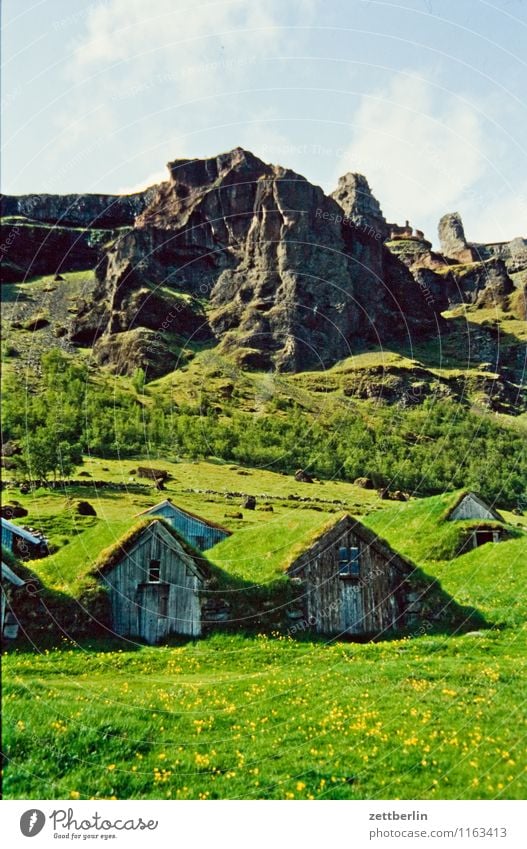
x=452 y=237
x=197 y=172
x=354 y=196
x=236 y=178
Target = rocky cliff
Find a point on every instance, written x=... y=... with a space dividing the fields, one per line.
x=50 y=234
x=284 y=279
x=465 y=272
x=89 y=210
x=251 y=257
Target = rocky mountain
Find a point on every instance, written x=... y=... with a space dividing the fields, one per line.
x=256 y=258
x=250 y=257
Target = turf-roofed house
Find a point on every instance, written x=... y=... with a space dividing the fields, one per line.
x=155 y=581
x=470 y=506
x=351 y=582
x=199 y=532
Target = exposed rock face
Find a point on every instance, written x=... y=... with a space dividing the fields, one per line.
x=513 y=254
x=361 y=208
x=30 y=250
x=104 y=211
x=132 y=349
x=452 y=238
x=290 y=284
x=454 y=246
x=46 y=234
x=239 y=250
x=485 y=283
x=463 y=272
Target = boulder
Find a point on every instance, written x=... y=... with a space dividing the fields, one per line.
x=13 y=510
x=365 y=483
x=84 y=508
x=250 y=502
x=125 y=352
x=302 y=477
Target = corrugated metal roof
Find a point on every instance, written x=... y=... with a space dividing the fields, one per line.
x=168 y=503
x=9 y=575
x=16 y=529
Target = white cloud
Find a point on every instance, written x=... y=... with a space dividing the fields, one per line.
x=193 y=45
x=155 y=78
x=151 y=180
x=421 y=150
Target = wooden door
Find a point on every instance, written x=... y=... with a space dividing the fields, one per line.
x=352 y=607
x=152 y=601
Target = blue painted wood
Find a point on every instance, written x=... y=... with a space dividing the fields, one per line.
x=7 y=538
x=199 y=534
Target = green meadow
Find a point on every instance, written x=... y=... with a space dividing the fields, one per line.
x=271 y=715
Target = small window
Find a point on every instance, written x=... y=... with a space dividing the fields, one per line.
x=154 y=571
x=349 y=562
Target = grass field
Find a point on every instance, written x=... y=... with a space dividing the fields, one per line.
x=268 y=716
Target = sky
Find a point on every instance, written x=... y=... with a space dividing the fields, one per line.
x=424 y=97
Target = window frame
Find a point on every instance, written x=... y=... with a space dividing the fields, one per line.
x=154 y=569
x=349 y=562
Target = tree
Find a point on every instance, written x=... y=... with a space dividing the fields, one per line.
x=44 y=455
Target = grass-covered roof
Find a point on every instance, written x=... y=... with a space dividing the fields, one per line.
x=77 y=565
x=111 y=556
x=341 y=523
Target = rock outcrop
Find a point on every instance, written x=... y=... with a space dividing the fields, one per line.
x=289 y=284
x=452 y=239
x=48 y=234
x=462 y=272
x=361 y=209
x=483 y=283
x=33 y=250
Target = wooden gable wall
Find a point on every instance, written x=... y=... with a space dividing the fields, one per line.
x=471 y=507
x=153 y=610
x=372 y=603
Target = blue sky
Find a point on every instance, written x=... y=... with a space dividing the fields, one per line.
x=425 y=97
